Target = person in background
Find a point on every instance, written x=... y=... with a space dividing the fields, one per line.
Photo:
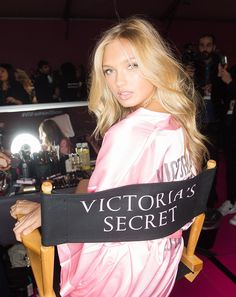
x=206 y=80
x=69 y=85
x=27 y=84
x=207 y=83
x=11 y=91
x=189 y=58
x=50 y=135
x=45 y=88
x=229 y=80
x=82 y=79
x=146 y=114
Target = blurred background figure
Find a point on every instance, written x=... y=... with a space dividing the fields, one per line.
x=82 y=79
x=51 y=135
x=27 y=84
x=11 y=91
x=189 y=58
x=45 y=88
x=69 y=86
x=207 y=83
x=228 y=78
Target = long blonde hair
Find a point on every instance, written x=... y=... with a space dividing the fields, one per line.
x=174 y=88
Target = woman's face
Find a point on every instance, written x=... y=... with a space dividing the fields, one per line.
x=3 y=74
x=123 y=75
x=43 y=137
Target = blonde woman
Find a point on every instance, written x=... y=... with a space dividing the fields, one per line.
x=145 y=110
x=27 y=84
x=11 y=91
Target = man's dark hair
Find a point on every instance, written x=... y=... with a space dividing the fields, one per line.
x=208 y=35
x=41 y=63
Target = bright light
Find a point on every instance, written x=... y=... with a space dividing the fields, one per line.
x=25 y=139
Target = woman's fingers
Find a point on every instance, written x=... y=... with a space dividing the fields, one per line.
x=28 y=223
x=23 y=207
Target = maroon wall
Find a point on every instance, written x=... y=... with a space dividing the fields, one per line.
x=24 y=42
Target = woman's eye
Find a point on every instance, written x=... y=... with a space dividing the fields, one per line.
x=107 y=71
x=132 y=66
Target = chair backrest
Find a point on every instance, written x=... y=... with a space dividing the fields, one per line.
x=195 y=191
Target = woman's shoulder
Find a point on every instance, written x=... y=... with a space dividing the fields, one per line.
x=140 y=127
x=145 y=121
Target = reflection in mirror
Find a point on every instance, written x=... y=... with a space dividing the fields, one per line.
x=72 y=117
x=32 y=162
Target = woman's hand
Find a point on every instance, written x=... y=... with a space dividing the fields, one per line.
x=11 y=100
x=23 y=207
x=30 y=217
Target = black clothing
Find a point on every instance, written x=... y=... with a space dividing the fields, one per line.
x=44 y=88
x=206 y=73
x=69 y=90
x=16 y=91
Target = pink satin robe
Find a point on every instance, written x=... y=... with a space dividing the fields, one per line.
x=143 y=148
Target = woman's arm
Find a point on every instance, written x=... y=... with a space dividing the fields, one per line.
x=12 y=100
x=30 y=213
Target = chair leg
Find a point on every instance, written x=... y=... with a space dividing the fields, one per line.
x=191 y=276
x=47 y=255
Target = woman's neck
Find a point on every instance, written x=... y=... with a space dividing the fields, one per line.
x=154 y=105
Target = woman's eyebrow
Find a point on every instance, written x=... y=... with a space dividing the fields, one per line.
x=130 y=59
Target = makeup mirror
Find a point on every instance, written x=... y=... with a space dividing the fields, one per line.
x=15 y=120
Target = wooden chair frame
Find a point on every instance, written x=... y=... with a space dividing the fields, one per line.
x=42 y=258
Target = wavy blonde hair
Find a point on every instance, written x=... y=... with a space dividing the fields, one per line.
x=173 y=87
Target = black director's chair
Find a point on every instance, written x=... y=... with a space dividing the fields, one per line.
x=163 y=207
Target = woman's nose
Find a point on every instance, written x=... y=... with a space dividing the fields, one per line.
x=120 y=78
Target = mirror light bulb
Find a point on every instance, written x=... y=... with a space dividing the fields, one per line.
x=25 y=139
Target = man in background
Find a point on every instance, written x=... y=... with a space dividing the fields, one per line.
x=45 y=88
x=208 y=84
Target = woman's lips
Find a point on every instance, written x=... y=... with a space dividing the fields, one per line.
x=124 y=95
